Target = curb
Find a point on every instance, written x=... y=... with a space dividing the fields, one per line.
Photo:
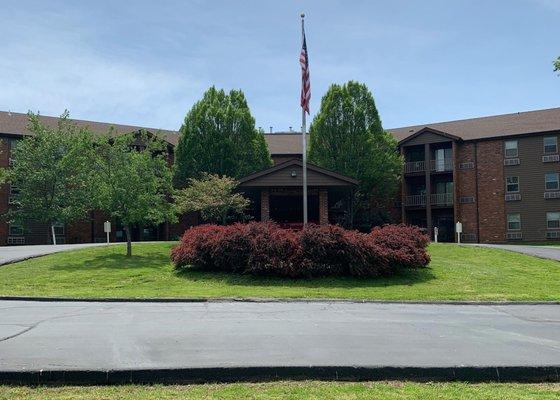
x=265 y=374
x=273 y=300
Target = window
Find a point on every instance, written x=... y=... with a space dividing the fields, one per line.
x=553 y=220
x=512 y=184
x=550 y=144
x=15 y=230
x=514 y=222
x=14 y=190
x=551 y=181
x=59 y=229
x=511 y=148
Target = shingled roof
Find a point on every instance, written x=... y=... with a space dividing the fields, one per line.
x=16 y=124
x=496 y=126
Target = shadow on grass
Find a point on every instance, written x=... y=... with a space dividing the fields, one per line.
x=115 y=262
x=402 y=278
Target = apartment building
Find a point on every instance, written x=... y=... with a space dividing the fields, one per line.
x=498 y=176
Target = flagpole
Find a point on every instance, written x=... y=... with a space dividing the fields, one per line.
x=304 y=142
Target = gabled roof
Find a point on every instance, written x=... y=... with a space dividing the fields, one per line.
x=521 y=123
x=16 y=124
x=271 y=177
x=431 y=130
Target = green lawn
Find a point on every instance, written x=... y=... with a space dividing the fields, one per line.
x=455 y=273
x=292 y=390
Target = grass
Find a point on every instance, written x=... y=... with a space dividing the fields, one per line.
x=455 y=273
x=292 y=390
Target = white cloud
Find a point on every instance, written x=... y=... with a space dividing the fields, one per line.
x=49 y=70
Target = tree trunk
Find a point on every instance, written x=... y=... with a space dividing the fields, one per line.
x=53 y=235
x=128 y=241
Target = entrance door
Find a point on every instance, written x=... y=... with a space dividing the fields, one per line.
x=445 y=227
x=287 y=210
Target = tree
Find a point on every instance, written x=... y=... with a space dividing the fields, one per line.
x=557 y=65
x=213 y=196
x=52 y=171
x=134 y=181
x=218 y=136
x=347 y=136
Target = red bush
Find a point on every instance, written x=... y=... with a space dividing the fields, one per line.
x=405 y=245
x=265 y=249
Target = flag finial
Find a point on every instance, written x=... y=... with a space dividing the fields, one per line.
x=302 y=15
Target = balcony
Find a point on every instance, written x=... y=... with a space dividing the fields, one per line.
x=414 y=166
x=438 y=199
x=441 y=199
x=441 y=165
x=416 y=200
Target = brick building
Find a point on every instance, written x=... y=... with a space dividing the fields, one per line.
x=498 y=176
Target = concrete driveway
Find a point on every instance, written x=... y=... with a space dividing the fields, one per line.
x=96 y=336
x=550 y=252
x=11 y=254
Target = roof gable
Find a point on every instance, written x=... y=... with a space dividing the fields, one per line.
x=289 y=173
x=433 y=135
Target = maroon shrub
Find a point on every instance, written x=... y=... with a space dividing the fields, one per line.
x=405 y=245
x=260 y=248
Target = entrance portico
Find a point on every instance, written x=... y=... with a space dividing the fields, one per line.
x=276 y=194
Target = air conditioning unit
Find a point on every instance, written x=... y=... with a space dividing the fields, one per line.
x=513 y=197
x=16 y=240
x=466 y=165
x=466 y=199
x=551 y=158
x=552 y=195
x=553 y=235
x=511 y=161
x=514 y=236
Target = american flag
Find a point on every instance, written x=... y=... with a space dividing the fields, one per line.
x=305 y=82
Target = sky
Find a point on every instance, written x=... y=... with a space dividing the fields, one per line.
x=147 y=62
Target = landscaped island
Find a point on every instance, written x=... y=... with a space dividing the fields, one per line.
x=454 y=273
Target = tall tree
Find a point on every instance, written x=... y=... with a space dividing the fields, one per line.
x=134 y=181
x=219 y=137
x=557 y=65
x=52 y=171
x=347 y=136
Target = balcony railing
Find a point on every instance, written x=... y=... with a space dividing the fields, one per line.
x=441 y=165
x=415 y=200
x=441 y=199
x=414 y=166
x=419 y=200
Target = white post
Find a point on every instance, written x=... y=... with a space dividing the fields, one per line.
x=436 y=231
x=53 y=235
x=107 y=228
x=459 y=230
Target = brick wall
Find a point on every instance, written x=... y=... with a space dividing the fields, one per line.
x=323 y=207
x=491 y=191
x=265 y=205
x=466 y=188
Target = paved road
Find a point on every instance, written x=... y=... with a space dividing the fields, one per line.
x=10 y=254
x=550 y=252
x=102 y=336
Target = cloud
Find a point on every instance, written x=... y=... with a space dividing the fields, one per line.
x=49 y=70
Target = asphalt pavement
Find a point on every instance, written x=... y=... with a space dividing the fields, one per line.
x=96 y=336
x=11 y=254
x=550 y=252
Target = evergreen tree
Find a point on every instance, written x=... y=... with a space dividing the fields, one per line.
x=219 y=137
x=347 y=136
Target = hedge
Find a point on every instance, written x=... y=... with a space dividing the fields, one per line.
x=261 y=248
